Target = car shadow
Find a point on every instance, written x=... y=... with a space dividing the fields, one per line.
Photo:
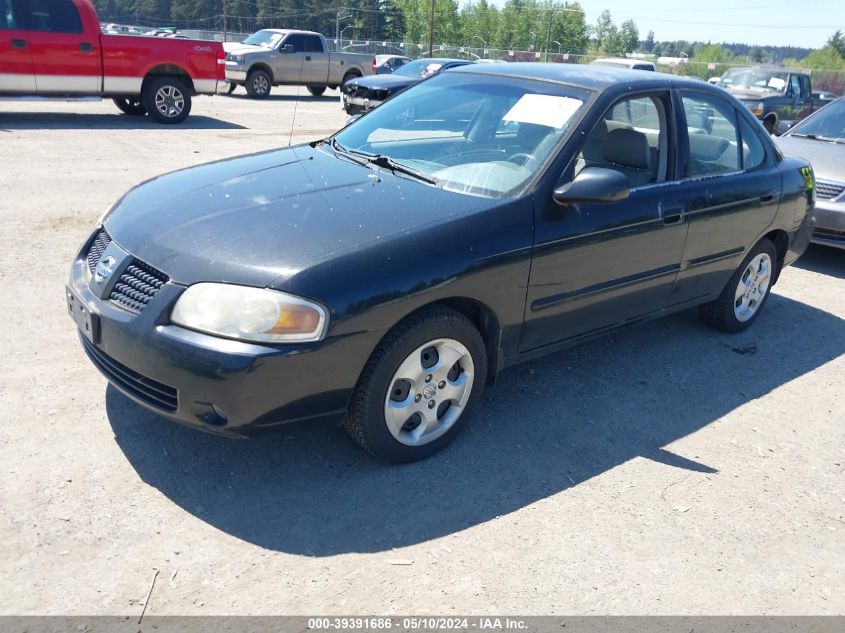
x=545 y=426
x=824 y=260
x=81 y=121
x=304 y=95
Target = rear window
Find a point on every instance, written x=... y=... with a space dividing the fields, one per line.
x=7 y=16
x=313 y=44
x=54 y=16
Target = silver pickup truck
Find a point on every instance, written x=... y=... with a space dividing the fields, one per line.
x=273 y=57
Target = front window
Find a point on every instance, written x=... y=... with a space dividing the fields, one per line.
x=827 y=125
x=475 y=134
x=267 y=39
x=755 y=79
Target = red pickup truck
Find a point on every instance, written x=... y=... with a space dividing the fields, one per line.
x=54 y=48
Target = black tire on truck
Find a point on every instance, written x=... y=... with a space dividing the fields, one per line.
x=232 y=88
x=167 y=99
x=352 y=74
x=316 y=90
x=130 y=105
x=258 y=84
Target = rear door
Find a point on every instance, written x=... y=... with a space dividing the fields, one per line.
x=16 y=74
x=316 y=60
x=733 y=187
x=65 y=58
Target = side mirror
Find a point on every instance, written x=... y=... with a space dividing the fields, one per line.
x=594 y=184
x=287 y=49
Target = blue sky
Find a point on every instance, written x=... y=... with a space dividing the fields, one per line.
x=777 y=22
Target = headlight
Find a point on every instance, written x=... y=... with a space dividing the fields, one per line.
x=250 y=314
x=234 y=58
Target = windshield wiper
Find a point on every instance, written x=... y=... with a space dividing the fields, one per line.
x=817 y=137
x=348 y=154
x=386 y=162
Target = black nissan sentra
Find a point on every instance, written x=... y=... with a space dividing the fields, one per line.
x=386 y=274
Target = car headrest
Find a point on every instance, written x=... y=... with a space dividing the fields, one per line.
x=707 y=148
x=626 y=147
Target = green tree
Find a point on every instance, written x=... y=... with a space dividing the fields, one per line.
x=827 y=58
x=629 y=35
x=706 y=55
x=837 y=43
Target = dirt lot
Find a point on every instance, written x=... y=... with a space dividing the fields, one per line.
x=667 y=470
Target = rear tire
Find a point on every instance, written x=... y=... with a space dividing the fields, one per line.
x=352 y=74
x=420 y=385
x=317 y=91
x=130 y=105
x=167 y=99
x=258 y=84
x=745 y=295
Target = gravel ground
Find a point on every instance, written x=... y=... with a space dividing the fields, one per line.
x=668 y=469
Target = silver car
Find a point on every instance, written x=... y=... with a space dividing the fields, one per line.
x=820 y=138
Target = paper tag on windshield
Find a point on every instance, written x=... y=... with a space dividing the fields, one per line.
x=777 y=83
x=545 y=110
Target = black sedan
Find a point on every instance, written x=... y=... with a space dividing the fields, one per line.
x=365 y=93
x=386 y=274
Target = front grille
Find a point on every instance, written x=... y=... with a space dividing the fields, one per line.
x=138 y=284
x=830 y=234
x=828 y=190
x=147 y=390
x=101 y=241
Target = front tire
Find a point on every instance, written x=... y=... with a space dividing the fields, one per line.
x=352 y=74
x=167 y=99
x=419 y=387
x=258 y=84
x=746 y=293
x=130 y=105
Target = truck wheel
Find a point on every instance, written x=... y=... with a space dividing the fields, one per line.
x=316 y=90
x=352 y=74
x=166 y=99
x=258 y=84
x=232 y=88
x=130 y=105
x=419 y=386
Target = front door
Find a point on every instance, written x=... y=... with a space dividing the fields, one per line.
x=65 y=59
x=16 y=74
x=596 y=266
x=289 y=64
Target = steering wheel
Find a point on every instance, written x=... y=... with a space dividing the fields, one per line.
x=521 y=158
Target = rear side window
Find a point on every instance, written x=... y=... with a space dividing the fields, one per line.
x=713 y=138
x=753 y=153
x=54 y=16
x=313 y=44
x=7 y=16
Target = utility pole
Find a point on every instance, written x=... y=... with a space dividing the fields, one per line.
x=549 y=34
x=225 y=29
x=431 y=32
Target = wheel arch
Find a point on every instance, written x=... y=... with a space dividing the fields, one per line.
x=780 y=239
x=261 y=66
x=352 y=73
x=173 y=70
x=480 y=315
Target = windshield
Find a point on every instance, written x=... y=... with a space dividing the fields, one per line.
x=755 y=79
x=474 y=134
x=419 y=68
x=828 y=123
x=267 y=39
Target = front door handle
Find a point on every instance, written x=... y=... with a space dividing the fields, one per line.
x=16 y=43
x=308 y=58
x=767 y=197
x=673 y=215
x=86 y=47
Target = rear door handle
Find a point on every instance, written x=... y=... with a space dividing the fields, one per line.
x=16 y=43
x=86 y=47
x=308 y=58
x=673 y=215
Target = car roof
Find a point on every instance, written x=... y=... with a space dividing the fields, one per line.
x=442 y=60
x=598 y=78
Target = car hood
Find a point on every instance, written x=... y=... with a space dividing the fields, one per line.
x=751 y=95
x=263 y=217
x=827 y=159
x=239 y=48
x=381 y=82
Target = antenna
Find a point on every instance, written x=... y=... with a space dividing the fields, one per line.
x=296 y=102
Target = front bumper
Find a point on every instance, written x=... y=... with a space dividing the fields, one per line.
x=235 y=72
x=830 y=223
x=215 y=384
x=357 y=105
